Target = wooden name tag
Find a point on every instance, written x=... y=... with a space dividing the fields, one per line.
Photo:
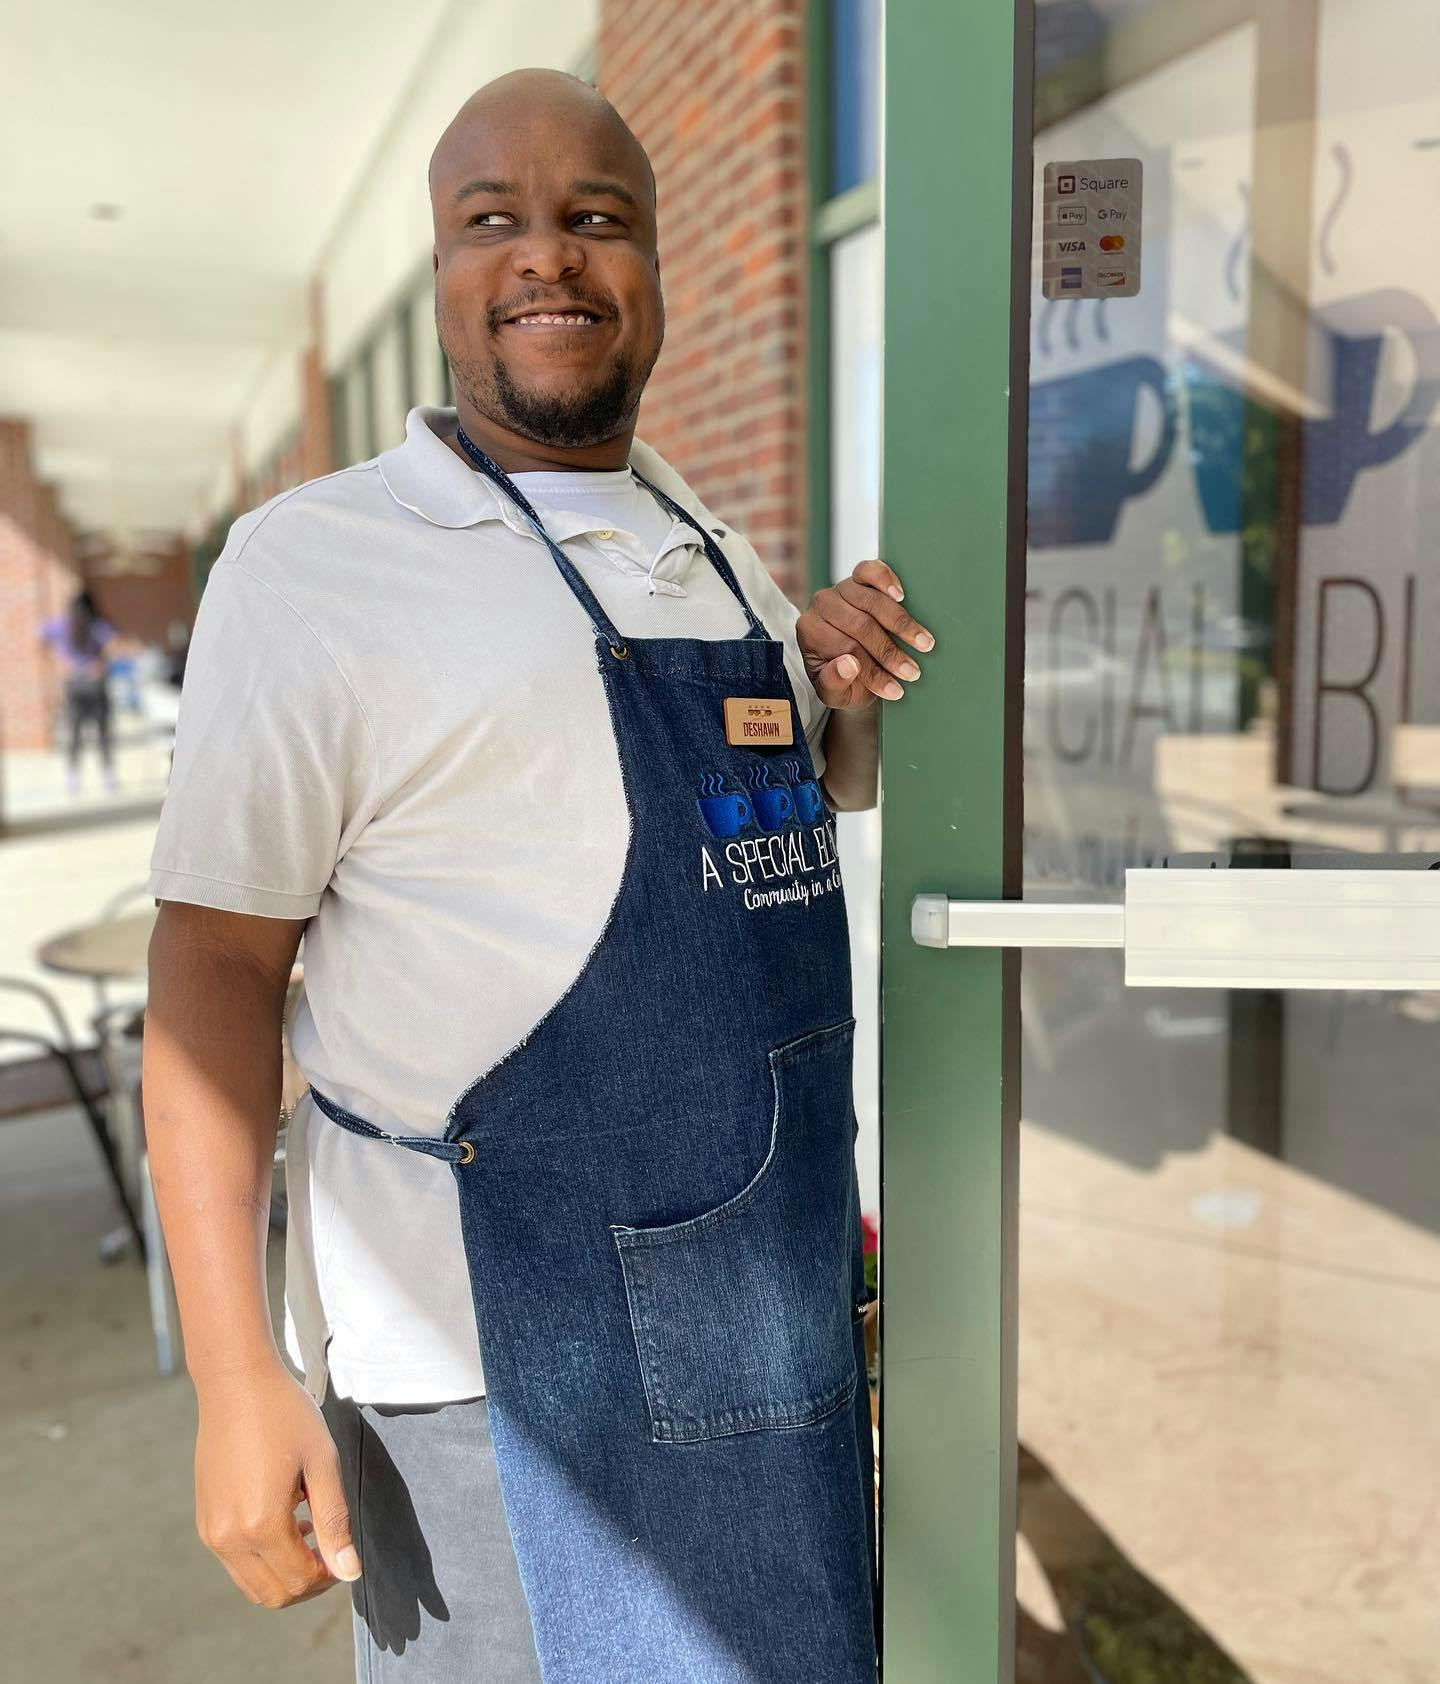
x=758 y=722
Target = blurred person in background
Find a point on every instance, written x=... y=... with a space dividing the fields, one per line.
x=541 y=762
x=162 y=676
x=125 y=658
x=79 y=638
x=177 y=646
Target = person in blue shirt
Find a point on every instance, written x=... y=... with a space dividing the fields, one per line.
x=79 y=638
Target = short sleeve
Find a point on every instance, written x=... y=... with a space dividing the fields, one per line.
x=275 y=767
x=780 y=616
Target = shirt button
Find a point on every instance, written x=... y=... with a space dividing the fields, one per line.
x=606 y=532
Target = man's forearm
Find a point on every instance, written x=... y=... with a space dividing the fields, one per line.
x=212 y=1101
x=852 y=757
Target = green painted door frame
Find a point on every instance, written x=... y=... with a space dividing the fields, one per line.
x=956 y=214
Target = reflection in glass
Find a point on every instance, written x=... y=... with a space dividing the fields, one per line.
x=1230 y=1242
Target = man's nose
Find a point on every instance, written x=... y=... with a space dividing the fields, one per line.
x=549 y=257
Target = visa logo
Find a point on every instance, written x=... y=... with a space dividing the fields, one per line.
x=1072 y=245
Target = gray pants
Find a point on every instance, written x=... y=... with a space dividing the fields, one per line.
x=439 y=1598
x=87 y=702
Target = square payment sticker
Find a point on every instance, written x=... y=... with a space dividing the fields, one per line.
x=1090 y=233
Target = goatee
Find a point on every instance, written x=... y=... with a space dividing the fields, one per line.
x=564 y=420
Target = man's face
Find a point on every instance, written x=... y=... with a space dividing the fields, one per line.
x=547 y=286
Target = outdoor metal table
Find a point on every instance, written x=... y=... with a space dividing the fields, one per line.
x=115 y=950
x=109 y=951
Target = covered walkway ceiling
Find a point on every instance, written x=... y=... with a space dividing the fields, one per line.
x=169 y=177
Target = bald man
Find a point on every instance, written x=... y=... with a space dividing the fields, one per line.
x=524 y=741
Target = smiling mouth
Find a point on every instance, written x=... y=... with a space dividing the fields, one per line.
x=554 y=318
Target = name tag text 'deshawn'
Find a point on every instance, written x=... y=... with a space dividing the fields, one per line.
x=758 y=721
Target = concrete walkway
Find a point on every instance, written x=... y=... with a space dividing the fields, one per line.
x=35 y=794
x=64 y=859
x=106 y=1581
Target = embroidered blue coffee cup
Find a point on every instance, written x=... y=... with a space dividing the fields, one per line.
x=725 y=813
x=809 y=802
x=773 y=807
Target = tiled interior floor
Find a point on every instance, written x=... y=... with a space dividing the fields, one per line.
x=1229 y=1356
x=1228 y=1374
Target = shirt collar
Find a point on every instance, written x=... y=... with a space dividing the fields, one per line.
x=426 y=476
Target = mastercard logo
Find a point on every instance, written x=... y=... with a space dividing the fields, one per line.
x=1112 y=242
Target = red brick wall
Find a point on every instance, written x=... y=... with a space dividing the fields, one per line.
x=33 y=586
x=41 y=568
x=36 y=581
x=141 y=599
x=316 y=455
x=715 y=91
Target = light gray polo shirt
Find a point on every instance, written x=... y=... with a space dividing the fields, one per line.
x=393 y=726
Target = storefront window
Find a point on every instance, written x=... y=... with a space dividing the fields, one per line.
x=1230 y=1200
x=355 y=428
x=854 y=93
x=390 y=365
x=427 y=364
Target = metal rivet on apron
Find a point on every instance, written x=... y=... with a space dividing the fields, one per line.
x=620 y=651
x=468 y=1150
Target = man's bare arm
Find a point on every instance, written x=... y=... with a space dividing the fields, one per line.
x=212 y=1109
x=852 y=758
x=212 y=1105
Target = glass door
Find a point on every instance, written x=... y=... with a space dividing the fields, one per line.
x=1161 y=1278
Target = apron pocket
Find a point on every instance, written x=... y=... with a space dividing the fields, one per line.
x=742 y=1316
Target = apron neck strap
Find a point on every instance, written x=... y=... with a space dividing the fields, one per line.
x=713 y=552
x=603 y=626
x=599 y=619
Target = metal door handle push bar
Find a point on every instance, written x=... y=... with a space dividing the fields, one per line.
x=1226 y=929
x=937 y=921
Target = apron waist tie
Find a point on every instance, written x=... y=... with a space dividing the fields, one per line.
x=453 y=1151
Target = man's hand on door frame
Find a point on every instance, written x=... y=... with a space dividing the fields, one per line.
x=848 y=639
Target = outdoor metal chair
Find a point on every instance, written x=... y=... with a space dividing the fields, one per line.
x=76 y=1067
x=103 y=1080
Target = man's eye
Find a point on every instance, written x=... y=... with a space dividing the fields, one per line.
x=488 y=219
x=597 y=216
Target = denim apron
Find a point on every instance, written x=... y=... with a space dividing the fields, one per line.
x=661 y=1218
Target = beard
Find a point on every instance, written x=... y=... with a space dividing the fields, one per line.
x=572 y=420
x=586 y=415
